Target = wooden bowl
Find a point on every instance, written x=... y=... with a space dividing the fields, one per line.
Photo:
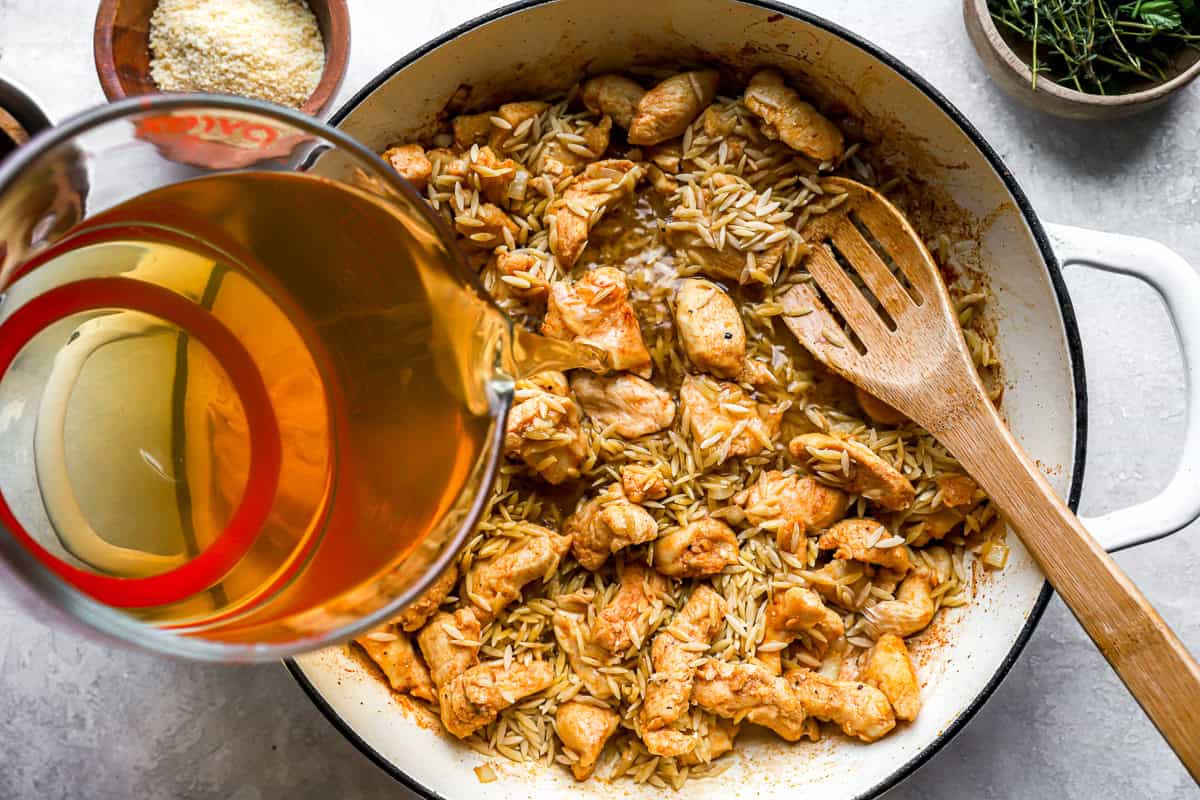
x=1007 y=61
x=121 y=46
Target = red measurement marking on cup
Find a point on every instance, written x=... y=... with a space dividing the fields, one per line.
x=212 y=127
x=215 y=561
x=230 y=140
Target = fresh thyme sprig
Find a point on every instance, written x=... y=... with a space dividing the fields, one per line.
x=1098 y=46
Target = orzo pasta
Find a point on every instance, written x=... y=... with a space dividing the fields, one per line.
x=720 y=533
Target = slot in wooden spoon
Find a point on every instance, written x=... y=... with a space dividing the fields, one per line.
x=911 y=354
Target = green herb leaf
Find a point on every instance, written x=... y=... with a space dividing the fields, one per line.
x=1164 y=14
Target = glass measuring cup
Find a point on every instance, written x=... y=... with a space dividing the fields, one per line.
x=169 y=351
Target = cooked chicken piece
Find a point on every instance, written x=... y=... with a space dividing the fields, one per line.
x=858 y=709
x=629 y=405
x=710 y=328
x=641 y=483
x=595 y=310
x=450 y=644
x=543 y=428
x=812 y=729
x=661 y=182
x=889 y=668
x=692 y=747
x=723 y=418
x=878 y=410
x=392 y=651
x=719 y=121
x=669 y=742
x=471 y=129
x=792 y=506
x=748 y=691
x=614 y=95
x=666 y=156
x=625 y=621
x=606 y=524
x=486 y=229
x=595 y=138
x=727 y=263
x=600 y=186
x=497 y=582
x=857 y=539
x=870 y=475
x=715 y=742
x=448 y=163
x=420 y=610
x=703 y=547
x=523 y=274
x=583 y=656
x=755 y=373
x=674 y=649
x=584 y=729
x=666 y=110
x=791 y=120
x=514 y=114
x=817 y=504
x=935 y=526
x=909 y=613
x=495 y=175
x=791 y=613
x=411 y=162
x=957 y=490
x=559 y=158
x=720 y=180
x=476 y=697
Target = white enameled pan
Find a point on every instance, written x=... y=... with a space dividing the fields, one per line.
x=526 y=49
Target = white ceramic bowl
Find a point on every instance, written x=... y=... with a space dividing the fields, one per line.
x=526 y=49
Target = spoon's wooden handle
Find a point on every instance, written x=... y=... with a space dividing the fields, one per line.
x=12 y=129
x=1144 y=651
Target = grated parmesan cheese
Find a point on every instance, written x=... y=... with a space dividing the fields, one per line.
x=266 y=49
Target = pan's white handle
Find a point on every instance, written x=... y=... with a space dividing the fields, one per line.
x=1179 y=286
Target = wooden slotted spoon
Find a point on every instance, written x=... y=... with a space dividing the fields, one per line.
x=916 y=360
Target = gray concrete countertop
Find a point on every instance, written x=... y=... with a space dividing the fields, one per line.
x=79 y=720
